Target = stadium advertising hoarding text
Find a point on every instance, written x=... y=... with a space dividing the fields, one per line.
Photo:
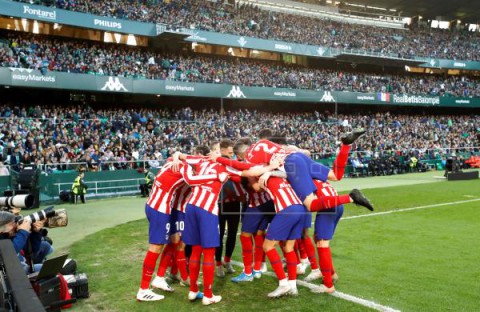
x=67 y=81
x=54 y=15
x=451 y=64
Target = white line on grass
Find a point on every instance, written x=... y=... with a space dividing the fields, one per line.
x=410 y=209
x=405 y=209
x=338 y=294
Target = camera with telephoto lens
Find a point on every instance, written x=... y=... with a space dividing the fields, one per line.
x=37 y=216
x=18 y=201
x=55 y=218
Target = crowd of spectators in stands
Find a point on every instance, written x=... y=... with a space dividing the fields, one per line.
x=248 y=20
x=61 y=137
x=56 y=54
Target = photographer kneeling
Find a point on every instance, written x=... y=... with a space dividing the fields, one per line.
x=27 y=240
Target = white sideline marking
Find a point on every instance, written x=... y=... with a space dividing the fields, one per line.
x=338 y=294
x=410 y=209
x=364 y=302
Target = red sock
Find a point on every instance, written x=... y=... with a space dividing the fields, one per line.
x=264 y=258
x=226 y=259
x=174 y=268
x=166 y=260
x=218 y=263
x=326 y=265
x=295 y=249
x=310 y=249
x=328 y=202
x=259 y=255
x=247 y=246
x=301 y=249
x=181 y=263
x=341 y=161
x=208 y=271
x=291 y=265
x=148 y=268
x=276 y=263
x=194 y=266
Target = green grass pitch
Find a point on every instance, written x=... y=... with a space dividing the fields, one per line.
x=419 y=260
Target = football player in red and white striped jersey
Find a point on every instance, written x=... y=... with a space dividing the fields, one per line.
x=287 y=225
x=255 y=220
x=201 y=222
x=300 y=168
x=174 y=253
x=325 y=224
x=158 y=210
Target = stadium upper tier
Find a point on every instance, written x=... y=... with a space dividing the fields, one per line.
x=50 y=135
x=46 y=53
x=251 y=21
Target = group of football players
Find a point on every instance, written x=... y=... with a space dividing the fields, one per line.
x=281 y=185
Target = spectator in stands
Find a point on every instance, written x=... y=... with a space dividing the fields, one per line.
x=359 y=166
x=133 y=62
x=16 y=159
x=249 y=20
x=4 y=171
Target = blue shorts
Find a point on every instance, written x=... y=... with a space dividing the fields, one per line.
x=301 y=170
x=287 y=224
x=307 y=220
x=254 y=220
x=177 y=222
x=268 y=209
x=201 y=228
x=158 y=226
x=326 y=222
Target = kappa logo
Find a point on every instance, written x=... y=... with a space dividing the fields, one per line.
x=321 y=50
x=327 y=97
x=432 y=62
x=114 y=84
x=242 y=41
x=236 y=92
x=13 y=69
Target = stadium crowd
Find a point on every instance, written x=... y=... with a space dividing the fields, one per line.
x=52 y=137
x=56 y=54
x=247 y=20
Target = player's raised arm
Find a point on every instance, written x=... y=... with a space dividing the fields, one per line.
x=215 y=157
x=191 y=179
x=262 y=181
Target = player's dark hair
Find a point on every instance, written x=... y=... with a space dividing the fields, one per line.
x=279 y=138
x=202 y=150
x=213 y=143
x=240 y=148
x=265 y=133
x=244 y=140
x=226 y=143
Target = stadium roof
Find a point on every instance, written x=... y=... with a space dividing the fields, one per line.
x=465 y=10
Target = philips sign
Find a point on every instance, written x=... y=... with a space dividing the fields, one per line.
x=109 y=24
x=39 y=13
